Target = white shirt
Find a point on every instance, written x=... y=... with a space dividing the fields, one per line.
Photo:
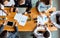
x=2 y=7
x=10 y=3
x=42 y=20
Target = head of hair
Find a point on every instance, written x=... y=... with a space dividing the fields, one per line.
x=6 y=0
x=3 y=34
x=19 y=1
x=47 y=2
x=46 y=34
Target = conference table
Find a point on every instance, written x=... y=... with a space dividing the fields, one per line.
x=30 y=25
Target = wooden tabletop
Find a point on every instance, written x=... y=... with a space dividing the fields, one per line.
x=30 y=25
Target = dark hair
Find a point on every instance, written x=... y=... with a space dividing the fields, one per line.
x=1 y=1
x=3 y=34
x=47 y=2
x=14 y=9
x=46 y=34
x=6 y=0
x=18 y=1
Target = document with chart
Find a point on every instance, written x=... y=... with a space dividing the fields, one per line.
x=21 y=19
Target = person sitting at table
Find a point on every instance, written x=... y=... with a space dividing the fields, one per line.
x=8 y=2
x=24 y=3
x=43 y=5
x=2 y=11
x=14 y=33
x=9 y=34
x=42 y=32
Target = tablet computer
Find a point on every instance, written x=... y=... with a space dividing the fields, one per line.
x=10 y=23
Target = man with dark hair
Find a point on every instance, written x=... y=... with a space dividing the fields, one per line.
x=8 y=34
x=42 y=32
x=12 y=34
x=46 y=34
x=23 y=3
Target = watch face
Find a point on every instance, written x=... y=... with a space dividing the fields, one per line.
x=42 y=7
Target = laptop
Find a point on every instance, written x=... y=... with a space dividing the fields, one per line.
x=21 y=9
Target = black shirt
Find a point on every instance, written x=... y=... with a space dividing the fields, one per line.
x=27 y=4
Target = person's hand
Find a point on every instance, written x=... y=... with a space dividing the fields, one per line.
x=4 y=23
x=25 y=12
x=38 y=25
x=15 y=24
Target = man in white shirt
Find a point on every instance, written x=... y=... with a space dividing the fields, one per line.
x=39 y=33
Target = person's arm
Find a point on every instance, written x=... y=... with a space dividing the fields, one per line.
x=15 y=29
x=4 y=11
x=1 y=28
x=29 y=5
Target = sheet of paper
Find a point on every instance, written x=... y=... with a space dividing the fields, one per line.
x=42 y=20
x=21 y=19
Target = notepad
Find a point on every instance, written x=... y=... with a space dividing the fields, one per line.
x=22 y=19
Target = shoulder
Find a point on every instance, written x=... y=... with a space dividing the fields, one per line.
x=2 y=6
x=28 y=1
